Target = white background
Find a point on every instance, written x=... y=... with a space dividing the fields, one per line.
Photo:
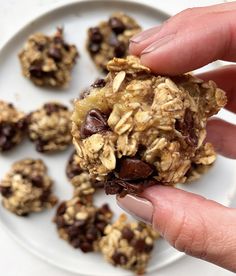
x=15 y=261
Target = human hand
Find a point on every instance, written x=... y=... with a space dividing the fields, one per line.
x=193 y=38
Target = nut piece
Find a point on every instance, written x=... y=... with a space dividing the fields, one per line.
x=111 y=38
x=48 y=61
x=27 y=188
x=156 y=127
x=50 y=127
x=128 y=245
x=12 y=126
x=82 y=226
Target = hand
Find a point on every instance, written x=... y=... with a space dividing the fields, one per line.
x=189 y=40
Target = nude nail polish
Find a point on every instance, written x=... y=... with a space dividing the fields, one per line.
x=138 y=207
x=161 y=42
x=144 y=35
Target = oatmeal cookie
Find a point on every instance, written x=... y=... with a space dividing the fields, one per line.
x=141 y=129
x=48 y=60
x=80 y=225
x=50 y=127
x=26 y=188
x=12 y=126
x=128 y=245
x=111 y=38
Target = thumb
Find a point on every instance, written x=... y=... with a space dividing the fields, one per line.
x=199 y=227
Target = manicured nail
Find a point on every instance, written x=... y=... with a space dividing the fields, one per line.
x=145 y=34
x=138 y=207
x=161 y=42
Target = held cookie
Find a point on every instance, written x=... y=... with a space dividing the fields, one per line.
x=111 y=38
x=26 y=188
x=141 y=129
x=128 y=245
x=82 y=226
x=12 y=126
x=50 y=127
x=48 y=60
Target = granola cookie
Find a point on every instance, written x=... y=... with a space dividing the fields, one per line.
x=48 y=60
x=202 y=162
x=12 y=126
x=50 y=127
x=26 y=188
x=141 y=129
x=111 y=38
x=82 y=226
x=128 y=245
x=79 y=178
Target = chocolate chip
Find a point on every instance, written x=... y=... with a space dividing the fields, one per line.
x=186 y=127
x=5 y=191
x=40 y=144
x=76 y=243
x=61 y=209
x=73 y=231
x=86 y=247
x=60 y=222
x=101 y=226
x=116 y=25
x=91 y=234
x=94 y=48
x=98 y=184
x=120 y=50
x=36 y=71
x=72 y=168
x=139 y=245
x=133 y=169
x=94 y=122
x=5 y=143
x=40 y=47
x=37 y=181
x=127 y=233
x=99 y=83
x=55 y=54
x=119 y=258
x=45 y=195
x=95 y=35
x=113 y=40
x=53 y=107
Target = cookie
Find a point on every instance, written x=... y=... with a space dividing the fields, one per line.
x=27 y=188
x=12 y=126
x=141 y=129
x=48 y=60
x=50 y=127
x=82 y=226
x=111 y=38
x=128 y=245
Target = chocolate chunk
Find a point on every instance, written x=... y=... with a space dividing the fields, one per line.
x=94 y=48
x=116 y=25
x=61 y=209
x=101 y=226
x=73 y=231
x=72 y=169
x=5 y=191
x=139 y=245
x=37 y=181
x=92 y=234
x=94 y=122
x=119 y=258
x=95 y=35
x=99 y=83
x=186 y=127
x=45 y=195
x=53 y=107
x=60 y=222
x=120 y=50
x=86 y=247
x=8 y=129
x=40 y=47
x=36 y=71
x=40 y=144
x=113 y=40
x=127 y=234
x=133 y=169
x=76 y=243
x=55 y=53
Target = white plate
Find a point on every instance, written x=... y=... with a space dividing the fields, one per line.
x=37 y=233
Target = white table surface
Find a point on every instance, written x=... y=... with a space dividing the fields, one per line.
x=16 y=261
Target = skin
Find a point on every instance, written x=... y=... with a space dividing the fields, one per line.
x=191 y=223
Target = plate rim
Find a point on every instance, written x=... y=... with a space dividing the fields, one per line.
x=22 y=28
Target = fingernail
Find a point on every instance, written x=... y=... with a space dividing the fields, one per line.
x=144 y=35
x=161 y=42
x=138 y=207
